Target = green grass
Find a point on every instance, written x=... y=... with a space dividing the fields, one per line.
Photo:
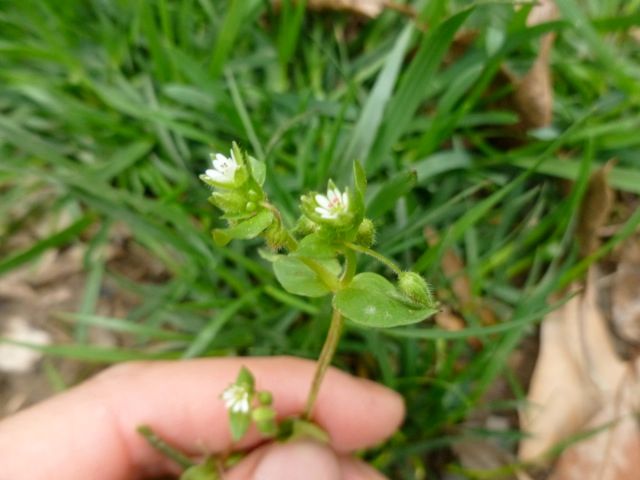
x=111 y=107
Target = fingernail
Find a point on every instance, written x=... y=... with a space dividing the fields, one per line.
x=297 y=460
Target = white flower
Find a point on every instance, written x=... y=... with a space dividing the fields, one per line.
x=224 y=169
x=333 y=204
x=236 y=398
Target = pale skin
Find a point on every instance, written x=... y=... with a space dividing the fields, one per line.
x=90 y=430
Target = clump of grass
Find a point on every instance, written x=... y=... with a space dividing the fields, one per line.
x=112 y=107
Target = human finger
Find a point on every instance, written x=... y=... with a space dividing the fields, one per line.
x=95 y=424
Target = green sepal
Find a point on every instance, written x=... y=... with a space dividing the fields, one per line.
x=250 y=228
x=292 y=429
x=245 y=378
x=298 y=278
x=371 y=300
x=258 y=170
x=206 y=470
x=239 y=423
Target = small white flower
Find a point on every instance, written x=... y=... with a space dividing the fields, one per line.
x=224 y=169
x=333 y=204
x=236 y=399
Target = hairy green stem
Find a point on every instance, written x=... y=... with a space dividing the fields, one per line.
x=350 y=264
x=163 y=447
x=378 y=256
x=328 y=350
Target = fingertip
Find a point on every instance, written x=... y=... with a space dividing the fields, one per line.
x=358 y=413
x=353 y=469
x=289 y=461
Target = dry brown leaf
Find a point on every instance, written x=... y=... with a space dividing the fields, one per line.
x=613 y=453
x=625 y=293
x=580 y=382
x=578 y=371
x=533 y=97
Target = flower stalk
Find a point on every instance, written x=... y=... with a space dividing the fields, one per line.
x=326 y=355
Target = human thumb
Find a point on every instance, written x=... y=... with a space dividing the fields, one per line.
x=302 y=459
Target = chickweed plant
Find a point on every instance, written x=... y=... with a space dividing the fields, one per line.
x=313 y=258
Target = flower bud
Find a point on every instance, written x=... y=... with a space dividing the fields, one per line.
x=265 y=398
x=304 y=227
x=265 y=418
x=416 y=288
x=366 y=234
x=276 y=235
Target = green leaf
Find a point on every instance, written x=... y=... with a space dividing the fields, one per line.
x=413 y=88
x=203 y=471
x=371 y=300
x=292 y=429
x=239 y=423
x=316 y=245
x=299 y=279
x=245 y=377
x=372 y=115
x=359 y=178
x=390 y=191
x=248 y=229
x=258 y=170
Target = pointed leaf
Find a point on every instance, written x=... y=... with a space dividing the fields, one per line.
x=248 y=229
x=203 y=471
x=359 y=178
x=373 y=301
x=239 y=423
x=258 y=170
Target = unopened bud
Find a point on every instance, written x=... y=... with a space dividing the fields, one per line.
x=416 y=288
x=265 y=398
x=265 y=418
x=305 y=227
x=366 y=233
x=276 y=236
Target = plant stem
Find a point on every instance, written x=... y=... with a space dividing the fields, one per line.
x=378 y=256
x=164 y=448
x=328 y=350
x=350 y=264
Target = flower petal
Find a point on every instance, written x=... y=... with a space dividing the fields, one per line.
x=322 y=201
x=333 y=198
